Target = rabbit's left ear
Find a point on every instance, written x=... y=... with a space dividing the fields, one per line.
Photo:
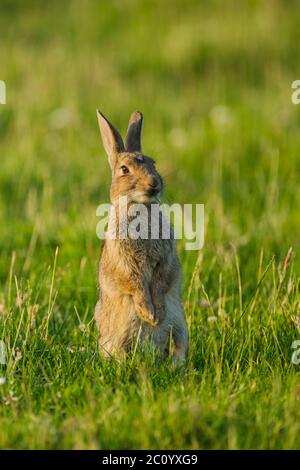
x=112 y=141
x=134 y=131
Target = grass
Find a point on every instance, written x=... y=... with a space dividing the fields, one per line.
x=214 y=84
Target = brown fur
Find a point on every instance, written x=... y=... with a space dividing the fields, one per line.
x=140 y=280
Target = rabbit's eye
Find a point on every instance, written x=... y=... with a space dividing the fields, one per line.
x=124 y=169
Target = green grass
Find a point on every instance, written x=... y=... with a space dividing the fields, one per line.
x=213 y=80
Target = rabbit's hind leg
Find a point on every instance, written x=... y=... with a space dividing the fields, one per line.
x=179 y=332
x=181 y=342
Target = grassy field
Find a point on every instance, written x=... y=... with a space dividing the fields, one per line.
x=213 y=80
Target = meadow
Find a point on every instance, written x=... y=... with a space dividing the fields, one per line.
x=213 y=80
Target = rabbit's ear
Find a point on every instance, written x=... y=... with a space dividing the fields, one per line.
x=112 y=141
x=133 y=137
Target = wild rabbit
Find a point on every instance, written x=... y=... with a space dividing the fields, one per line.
x=139 y=277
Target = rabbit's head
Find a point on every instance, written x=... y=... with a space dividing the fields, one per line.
x=133 y=174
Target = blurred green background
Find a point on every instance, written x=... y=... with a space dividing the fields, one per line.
x=213 y=80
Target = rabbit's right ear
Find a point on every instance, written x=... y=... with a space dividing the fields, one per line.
x=112 y=141
x=134 y=131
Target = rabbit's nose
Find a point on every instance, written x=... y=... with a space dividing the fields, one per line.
x=153 y=183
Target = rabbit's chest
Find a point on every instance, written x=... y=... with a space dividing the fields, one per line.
x=153 y=238
x=158 y=251
x=150 y=252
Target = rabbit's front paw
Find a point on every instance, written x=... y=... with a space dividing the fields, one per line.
x=147 y=314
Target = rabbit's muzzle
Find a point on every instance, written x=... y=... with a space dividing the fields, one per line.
x=153 y=186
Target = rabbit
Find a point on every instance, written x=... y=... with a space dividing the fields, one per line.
x=139 y=278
